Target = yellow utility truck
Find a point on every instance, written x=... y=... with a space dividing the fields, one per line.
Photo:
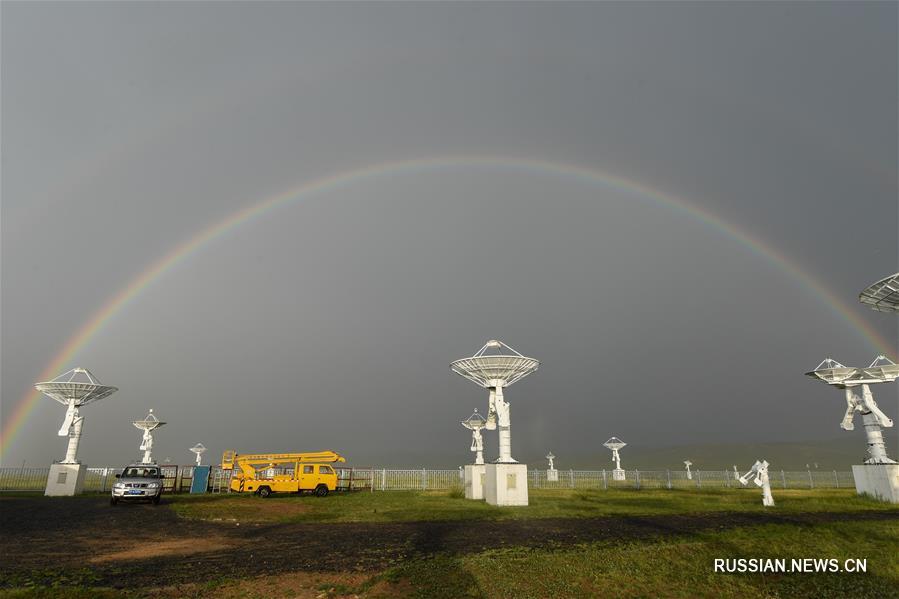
x=267 y=473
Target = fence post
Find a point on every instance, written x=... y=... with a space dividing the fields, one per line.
x=699 y=479
x=424 y=480
x=811 y=484
x=783 y=478
x=571 y=476
x=637 y=479
x=836 y=479
x=668 y=472
x=605 y=484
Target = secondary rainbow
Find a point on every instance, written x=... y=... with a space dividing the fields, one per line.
x=115 y=304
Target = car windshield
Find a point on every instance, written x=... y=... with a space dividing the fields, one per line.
x=133 y=472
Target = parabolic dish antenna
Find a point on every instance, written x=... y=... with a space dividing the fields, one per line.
x=148 y=425
x=614 y=443
x=882 y=369
x=491 y=367
x=198 y=449
x=494 y=366
x=73 y=389
x=832 y=372
x=76 y=386
x=476 y=423
x=882 y=295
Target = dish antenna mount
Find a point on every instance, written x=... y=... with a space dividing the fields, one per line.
x=495 y=366
x=73 y=389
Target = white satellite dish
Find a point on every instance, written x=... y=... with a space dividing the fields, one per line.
x=760 y=472
x=492 y=368
x=616 y=444
x=550 y=457
x=476 y=423
x=198 y=449
x=149 y=424
x=881 y=370
x=74 y=389
x=882 y=295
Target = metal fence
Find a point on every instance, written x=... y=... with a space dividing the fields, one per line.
x=178 y=479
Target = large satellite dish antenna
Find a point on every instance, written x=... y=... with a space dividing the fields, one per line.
x=881 y=370
x=73 y=389
x=615 y=444
x=494 y=366
x=198 y=449
x=882 y=295
x=149 y=424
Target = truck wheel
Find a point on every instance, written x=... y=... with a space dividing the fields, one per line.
x=264 y=492
x=321 y=490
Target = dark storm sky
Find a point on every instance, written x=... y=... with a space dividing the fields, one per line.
x=127 y=128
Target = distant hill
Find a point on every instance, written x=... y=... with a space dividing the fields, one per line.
x=832 y=454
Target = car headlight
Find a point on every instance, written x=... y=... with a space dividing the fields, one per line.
x=152 y=485
x=119 y=486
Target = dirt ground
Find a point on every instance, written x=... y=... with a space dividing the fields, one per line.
x=142 y=545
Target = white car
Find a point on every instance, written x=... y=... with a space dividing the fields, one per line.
x=138 y=482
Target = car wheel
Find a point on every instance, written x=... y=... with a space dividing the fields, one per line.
x=321 y=490
x=264 y=492
x=156 y=500
x=113 y=501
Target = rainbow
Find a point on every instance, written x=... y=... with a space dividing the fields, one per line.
x=333 y=182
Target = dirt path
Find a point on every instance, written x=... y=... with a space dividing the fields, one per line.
x=143 y=544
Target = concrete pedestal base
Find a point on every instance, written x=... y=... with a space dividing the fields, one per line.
x=618 y=474
x=474 y=481
x=552 y=476
x=65 y=480
x=877 y=480
x=506 y=484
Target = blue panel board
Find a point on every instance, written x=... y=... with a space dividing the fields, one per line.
x=200 y=480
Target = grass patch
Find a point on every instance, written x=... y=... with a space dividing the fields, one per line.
x=397 y=506
x=676 y=568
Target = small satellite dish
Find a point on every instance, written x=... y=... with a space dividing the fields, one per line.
x=760 y=473
x=149 y=424
x=615 y=444
x=198 y=449
x=475 y=423
x=74 y=389
x=551 y=457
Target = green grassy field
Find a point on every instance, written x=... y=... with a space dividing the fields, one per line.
x=667 y=565
x=396 y=506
